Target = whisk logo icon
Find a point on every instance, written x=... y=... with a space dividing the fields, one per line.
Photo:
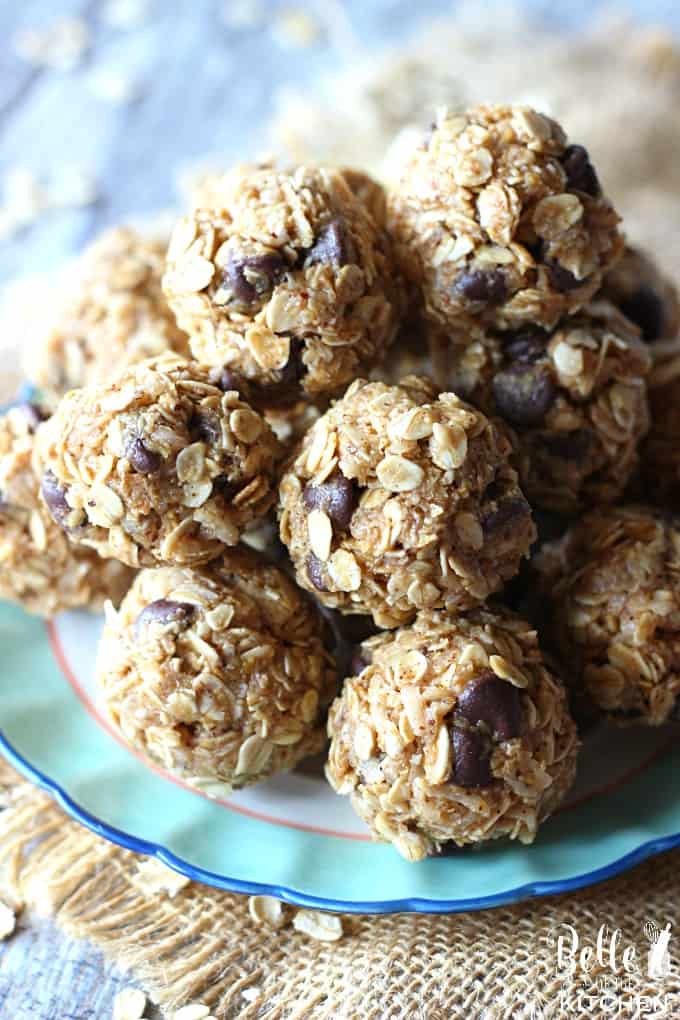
x=658 y=956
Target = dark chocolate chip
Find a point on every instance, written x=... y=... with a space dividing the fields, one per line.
x=674 y=714
x=248 y=277
x=581 y=175
x=164 y=612
x=358 y=662
x=142 y=459
x=646 y=309
x=524 y=393
x=33 y=414
x=204 y=427
x=315 y=572
x=225 y=488
x=508 y=513
x=492 y=492
x=227 y=380
x=488 y=709
x=332 y=245
x=489 y=699
x=526 y=347
x=471 y=758
x=337 y=496
x=573 y=446
x=480 y=287
x=188 y=733
x=449 y=849
x=285 y=387
x=55 y=498
x=561 y=279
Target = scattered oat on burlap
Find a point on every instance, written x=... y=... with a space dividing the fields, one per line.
x=199 y=945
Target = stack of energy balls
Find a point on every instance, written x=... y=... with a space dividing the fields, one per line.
x=408 y=381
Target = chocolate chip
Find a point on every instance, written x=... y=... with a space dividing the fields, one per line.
x=525 y=347
x=488 y=709
x=449 y=848
x=337 y=496
x=646 y=309
x=495 y=702
x=479 y=287
x=285 y=387
x=332 y=245
x=315 y=572
x=32 y=413
x=203 y=427
x=561 y=279
x=248 y=277
x=471 y=758
x=187 y=732
x=225 y=488
x=358 y=662
x=227 y=381
x=581 y=175
x=142 y=459
x=572 y=446
x=524 y=393
x=55 y=498
x=508 y=513
x=492 y=492
x=674 y=714
x=164 y=612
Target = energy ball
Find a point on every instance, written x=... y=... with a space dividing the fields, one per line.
x=218 y=673
x=576 y=398
x=160 y=465
x=659 y=477
x=454 y=732
x=650 y=300
x=501 y=222
x=639 y=289
x=614 y=593
x=39 y=568
x=114 y=315
x=401 y=499
x=284 y=278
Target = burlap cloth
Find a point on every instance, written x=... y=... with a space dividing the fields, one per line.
x=202 y=946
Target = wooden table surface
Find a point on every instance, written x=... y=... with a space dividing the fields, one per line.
x=204 y=74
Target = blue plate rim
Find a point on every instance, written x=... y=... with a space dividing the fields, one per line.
x=415 y=904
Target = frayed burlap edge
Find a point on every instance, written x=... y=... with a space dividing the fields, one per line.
x=202 y=945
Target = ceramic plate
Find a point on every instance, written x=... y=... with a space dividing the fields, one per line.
x=292 y=837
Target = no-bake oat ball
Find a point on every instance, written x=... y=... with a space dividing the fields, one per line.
x=399 y=499
x=284 y=277
x=454 y=732
x=501 y=222
x=39 y=568
x=576 y=398
x=160 y=465
x=651 y=300
x=217 y=673
x=113 y=315
x=613 y=585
